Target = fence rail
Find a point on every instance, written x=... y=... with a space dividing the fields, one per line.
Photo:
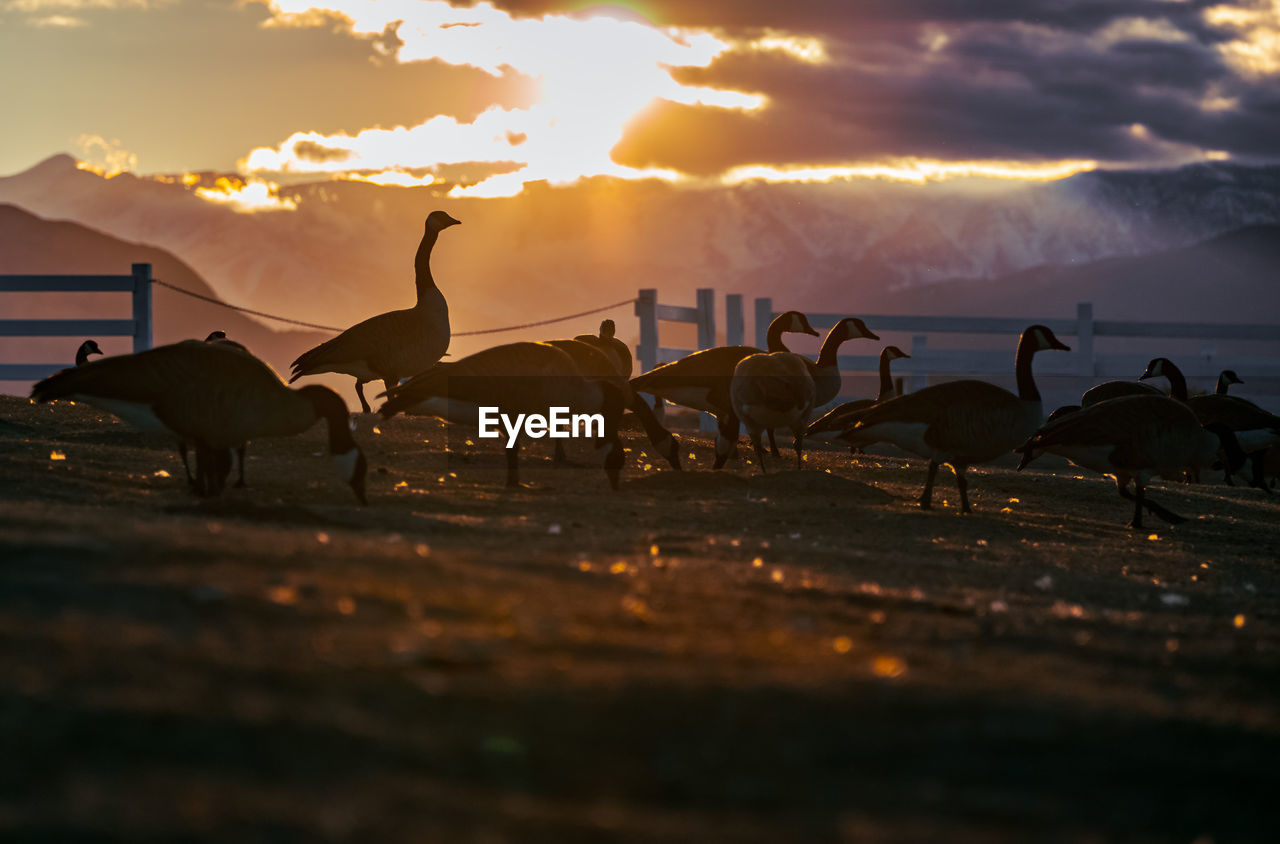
x=139 y=327
x=1065 y=374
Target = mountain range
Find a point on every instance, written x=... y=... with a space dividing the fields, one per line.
x=345 y=252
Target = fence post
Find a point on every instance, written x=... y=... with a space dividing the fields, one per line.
x=706 y=317
x=141 y=307
x=919 y=379
x=1084 y=338
x=764 y=316
x=734 y=333
x=647 y=311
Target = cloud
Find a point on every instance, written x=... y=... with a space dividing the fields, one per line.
x=105 y=156
x=247 y=196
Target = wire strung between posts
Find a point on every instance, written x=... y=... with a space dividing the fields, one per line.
x=265 y=315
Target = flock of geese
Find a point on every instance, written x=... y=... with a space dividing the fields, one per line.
x=215 y=396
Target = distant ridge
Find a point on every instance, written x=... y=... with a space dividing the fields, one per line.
x=30 y=244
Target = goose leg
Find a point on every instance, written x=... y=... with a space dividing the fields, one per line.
x=663 y=440
x=1257 y=461
x=240 y=480
x=962 y=484
x=364 y=405
x=1150 y=506
x=560 y=458
x=513 y=464
x=659 y=408
x=726 y=437
x=758 y=442
x=926 y=497
x=773 y=445
x=798 y=433
x=1136 y=524
x=613 y=463
x=182 y=450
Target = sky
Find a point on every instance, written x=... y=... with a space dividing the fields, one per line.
x=490 y=96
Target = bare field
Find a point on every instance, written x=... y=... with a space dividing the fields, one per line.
x=804 y=656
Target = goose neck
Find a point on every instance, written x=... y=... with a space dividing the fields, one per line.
x=1027 y=390
x=828 y=355
x=1177 y=382
x=327 y=405
x=886 y=379
x=422 y=265
x=773 y=339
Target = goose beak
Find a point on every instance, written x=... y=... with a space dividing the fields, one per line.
x=1059 y=345
x=812 y=333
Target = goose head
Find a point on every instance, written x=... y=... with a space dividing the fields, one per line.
x=894 y=353
x=88 y=347
x=216 y=335
x=795 y=322
x=852 y=328
x=437 y=221
x=607 y=329
x=352 y=467
x=1042 y=339
x=1229 y=376
x=1159 y=367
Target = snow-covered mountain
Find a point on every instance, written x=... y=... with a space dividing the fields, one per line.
x=347 y=250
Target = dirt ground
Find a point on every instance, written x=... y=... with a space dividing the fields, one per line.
x=700 y=656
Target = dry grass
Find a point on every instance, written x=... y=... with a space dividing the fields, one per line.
x=804 y=656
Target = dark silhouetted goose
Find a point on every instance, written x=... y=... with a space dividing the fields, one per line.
x=212 y=395
x=1116 y=389
x=1225 y=379
x=773 y=390
x=701 y=380
x=88 y=347
x=1136 y=437
x=606 y=341
x=961 y=423
x=837 y=419
x=393 y=345
x=598 y=360
x=1255 y=428
x=516 y=378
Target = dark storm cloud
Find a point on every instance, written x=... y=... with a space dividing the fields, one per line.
x=1026 y=81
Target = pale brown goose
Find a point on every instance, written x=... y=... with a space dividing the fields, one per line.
x=837 y=419
x=1136 y=437
x=516 y=378
x=210 y=394
x=961 y=423
x=393 y=345
x=773 y=390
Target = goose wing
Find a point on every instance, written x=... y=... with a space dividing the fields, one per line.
x=1236 y=413
x=700 y=367
x=379 y=341
x=501 y=375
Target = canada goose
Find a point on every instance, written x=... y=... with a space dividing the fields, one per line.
x=516 y=378
x=773 y=390
x=393 y=345
x=1225 y=379
x=88 y=347
x=1255 y=428
x=1116 y=389
x=701 y=380
x=210 y=394
x=826 y=371
x=961 y=423
x=596 y=360
x=606 y=341
x=1136 y=437
x=836 y=420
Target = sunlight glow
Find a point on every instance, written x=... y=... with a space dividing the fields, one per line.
x=247 y=196
x=1255 y=51
x=917 y=170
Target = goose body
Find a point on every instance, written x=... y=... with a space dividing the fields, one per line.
x=961 y=423
x=773 y=390
x=836 y=420
x=610 y=344
x=211 y=394
x=1116 y=389
x=599 y=360
x=393 y=345
x=701 y=380
x=1135 y=437
x=516 y=378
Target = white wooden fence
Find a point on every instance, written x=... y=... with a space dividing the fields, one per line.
x=138 y=283
x=1063 y=375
